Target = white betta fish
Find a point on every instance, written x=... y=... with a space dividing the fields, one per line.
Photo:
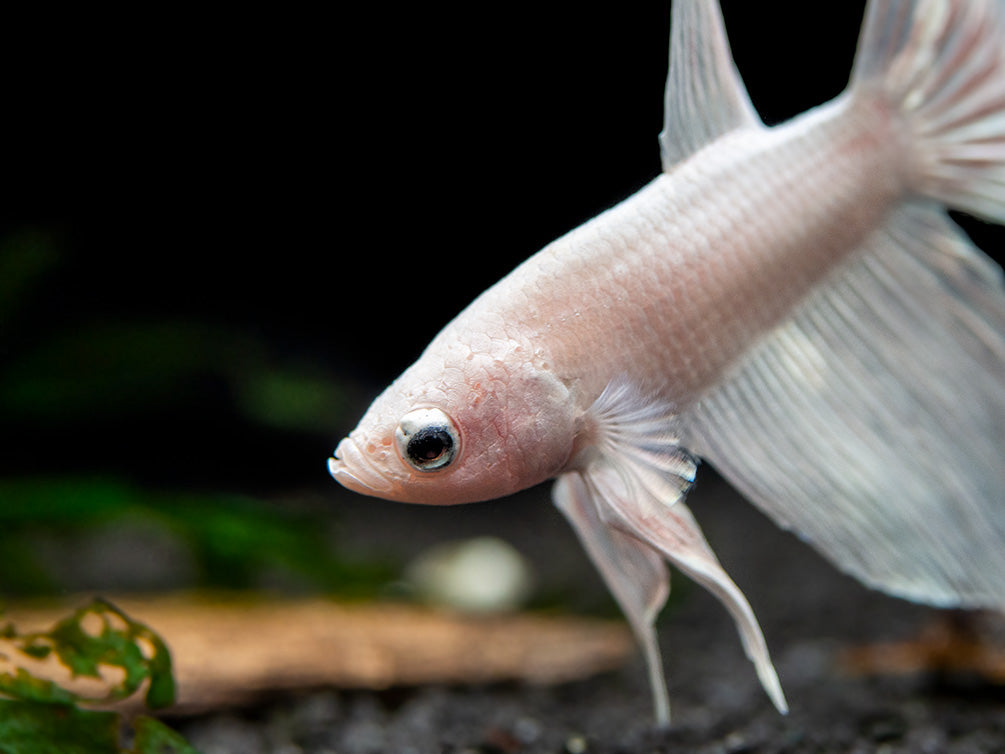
x=791 y=304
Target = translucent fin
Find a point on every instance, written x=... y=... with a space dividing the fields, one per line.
x=674 y=532
x=639 y=436
x=633 y=571
x=626 y=502
x=873 y=422
x=705 y=97
x=941 y=64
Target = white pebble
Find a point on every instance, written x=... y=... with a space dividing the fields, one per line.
x=480 y=575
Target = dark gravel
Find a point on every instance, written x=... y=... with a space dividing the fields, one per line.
x=809 y=613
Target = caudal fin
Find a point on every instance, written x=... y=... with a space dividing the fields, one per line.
x=872 y=421
x=941 y=64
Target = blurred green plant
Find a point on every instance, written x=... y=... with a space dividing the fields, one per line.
x=107 y=369
x=234 y=540
x=293 y=398
x=24 y=257
x=43 y=716
x=104 y=365
x=80 y=375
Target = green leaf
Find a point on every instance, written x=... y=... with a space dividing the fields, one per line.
x=96 y=636
x=154 y=737
x=161 y=691
x=37 y=652
x=30 y=728
x=23 y=685
x=43 y=719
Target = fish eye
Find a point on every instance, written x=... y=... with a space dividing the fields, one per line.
x=427 y=439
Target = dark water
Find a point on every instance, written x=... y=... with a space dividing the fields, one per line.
x=221 y=235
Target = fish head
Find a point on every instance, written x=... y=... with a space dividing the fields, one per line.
x=460 y=425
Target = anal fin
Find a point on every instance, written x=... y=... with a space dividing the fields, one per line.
x=873 y=421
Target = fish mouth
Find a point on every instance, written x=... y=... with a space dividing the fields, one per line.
x=353 y=470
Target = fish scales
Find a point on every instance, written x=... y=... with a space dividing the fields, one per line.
x=792 y=305
x=676 y=282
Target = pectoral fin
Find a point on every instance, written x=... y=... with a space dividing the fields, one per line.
x=626 y=503
x=674 y=533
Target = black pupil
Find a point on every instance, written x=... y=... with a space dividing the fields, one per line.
x=429 y=444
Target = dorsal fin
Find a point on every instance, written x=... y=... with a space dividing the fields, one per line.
x=705 y=97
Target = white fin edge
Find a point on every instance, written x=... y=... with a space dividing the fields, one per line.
x=634 y=573
x=624 y=497
x=873 y=421
x=674 y=533
x=940 y=64
x=639 y=435
x=705 y=96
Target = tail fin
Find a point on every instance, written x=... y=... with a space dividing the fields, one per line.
x=941 y=63
x=873 y=421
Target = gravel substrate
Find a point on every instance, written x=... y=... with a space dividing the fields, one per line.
x=809 y=612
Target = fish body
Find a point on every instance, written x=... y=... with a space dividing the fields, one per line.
x=791 y=304
x=675 y=283
x=670 y=286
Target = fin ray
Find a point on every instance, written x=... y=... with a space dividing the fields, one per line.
x=674 y=533
x=872 y=422
x=624 y=497
x=633 y=571
x=705 y=97
x=640 y=435
x=941 y=65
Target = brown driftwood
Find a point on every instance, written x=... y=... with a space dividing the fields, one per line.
x=958 y=642
x=230 y=651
